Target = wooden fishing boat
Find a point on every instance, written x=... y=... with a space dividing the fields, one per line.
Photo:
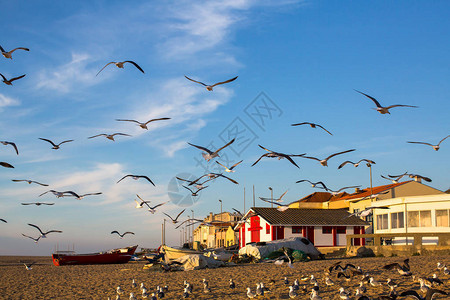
x=114 y=256
x=174 y=253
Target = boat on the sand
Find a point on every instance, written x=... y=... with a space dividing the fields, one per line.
x=174 y=253
x=114 y=256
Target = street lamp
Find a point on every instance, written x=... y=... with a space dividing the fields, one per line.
x=271 y=195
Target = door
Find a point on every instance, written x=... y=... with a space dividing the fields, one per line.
x=310 y=233
x=255 y=229
x=356 y=242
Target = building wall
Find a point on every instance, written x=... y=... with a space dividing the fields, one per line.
x=319 y=205
x=410 y=204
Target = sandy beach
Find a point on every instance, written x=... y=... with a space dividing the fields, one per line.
x=46 y=281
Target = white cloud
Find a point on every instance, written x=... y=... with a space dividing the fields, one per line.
x=7 y=101
x=65 y=77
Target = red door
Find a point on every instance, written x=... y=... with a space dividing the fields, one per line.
x=356 y=242
x=243 y=235
x=310 y=233
x=280 y=232
x=255 y=229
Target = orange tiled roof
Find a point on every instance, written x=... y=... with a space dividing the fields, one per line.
x=366 y=192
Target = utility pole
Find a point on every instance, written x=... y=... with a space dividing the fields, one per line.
x=271 y=195
x=221 y=220
x=253 y=195
x=244 y=201
x=192 y=222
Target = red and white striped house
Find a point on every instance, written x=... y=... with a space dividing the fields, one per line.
x=323 y=227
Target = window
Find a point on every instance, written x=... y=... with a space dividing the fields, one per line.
x=382 y=222
x=420 y=218
x=442 y=218
x=326 y=229
x=397 y=220
x=341 y=230
x=369 y=218
x=296 y=229
x=267 y=229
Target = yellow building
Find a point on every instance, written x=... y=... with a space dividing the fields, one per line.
x=217 y=231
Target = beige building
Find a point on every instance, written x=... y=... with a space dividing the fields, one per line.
x=217 y=231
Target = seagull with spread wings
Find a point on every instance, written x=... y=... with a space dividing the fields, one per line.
x=8 y=54
x=123 y=234
x=61 y=194
x=278 y=155
x=210 y=87
x=313 y=125
x=366 y=212
x=381 y=109
x=44 y=234
x=175 y=221
x=194 y=221
x=417 y=177
x=194 y=194
x=79 y=197
x=277 y=200
x=56 y=146
x=341 y=189
x=120 y=65
x=109 y=136
x=29 y=181
x=143 y=125
x=9 y=81
x=136 y=177
x=152 y=209
x=197 y=184
x=229 y=170
x=324 y=162
x=313 y=184
x=6 y=165
x=140 y=204
x=208 y=154
x=356 y=164
x=213 y=176
x=280 y=207
x=38 y=203
x=394 y=178
x=435 y=147
x=3 y=220
x=10 y=143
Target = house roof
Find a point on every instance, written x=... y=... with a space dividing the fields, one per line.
x=308 y=216
x=316 y=197
x=366 y=192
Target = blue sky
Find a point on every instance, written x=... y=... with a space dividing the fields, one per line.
x=303 y=59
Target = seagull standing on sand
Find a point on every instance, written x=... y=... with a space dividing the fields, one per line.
x=435 y=147
x=10 y=143
x=324 y=162
x=8 y=54
x=120 y=64
x=250 y=293
x=313 y=125
x=55 y=146
x=109 y=136
x=383 y=110
x=232 y=284
x=44 y=234
x=9 y=81
x=208 y=154
x=210 y=87
x=136 y=177
x=143 y=125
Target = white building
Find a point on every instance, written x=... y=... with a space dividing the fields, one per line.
x=416 y=214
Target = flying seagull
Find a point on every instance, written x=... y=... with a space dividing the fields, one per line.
x=143 y=125
x=9 y=82
x=394 y=179
x=313 y=125
x=10 y=143
x=341 y=189
x=366 y=212
x=428 y=296
x=8 y=54
x=194 y=194
x=404 y=269
x=175 y=221
x=356 y=164
x=38 y=203
x=208 y=154
x=210 y=87
x=3 y=220
x=109 y=136
x=197 y=185
x=136 y=177
x=280 y=207
x=28 y=266
x=277 y=200
x=278 y=155
x=28 y=181
x=189 y=220
x=313 y=184
x=383 y=110
x=6 y=165
x=79 y=197
x=229 y=170
x=152 y=209
x=140 y=204
x=324 y=162
x=120 y=64
x=435 y=147
x=44 y=234
x=122 y=235
x=34 y=239
x=61 y=194
x=56 y=146
x=416 y=177
x=213 y=176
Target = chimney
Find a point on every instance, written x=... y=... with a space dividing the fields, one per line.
x=357 y=190
x=210 y=217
